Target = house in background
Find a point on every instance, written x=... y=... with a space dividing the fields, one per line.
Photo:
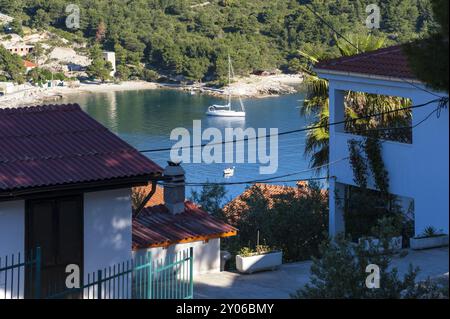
x=110 y=56
x=29 y=65
x=418 y=167
x=20 y=49
x=65 y=186
x=170 y=224
x=7 y=88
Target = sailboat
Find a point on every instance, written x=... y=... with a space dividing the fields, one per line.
x=225 y=110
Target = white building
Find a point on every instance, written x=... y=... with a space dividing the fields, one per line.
x=110 y=56
x=418 y=171
x=65 y=186
x=169 y=225
x=20 y=49
x=7 y=88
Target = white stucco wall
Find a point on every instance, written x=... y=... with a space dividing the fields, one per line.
x=418 y=171
x=12 y=241
x=107 y=229
x=206 y=254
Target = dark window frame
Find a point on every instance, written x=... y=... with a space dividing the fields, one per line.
x=55 y=200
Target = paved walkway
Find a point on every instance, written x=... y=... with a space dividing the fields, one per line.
x=281 y=283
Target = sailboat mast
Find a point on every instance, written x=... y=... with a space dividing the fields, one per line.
x=229 y=81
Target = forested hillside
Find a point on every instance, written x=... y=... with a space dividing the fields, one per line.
x=193 y=38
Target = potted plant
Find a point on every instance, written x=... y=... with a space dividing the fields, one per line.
x=386 y=235
x=430 y=238
x=262 y=258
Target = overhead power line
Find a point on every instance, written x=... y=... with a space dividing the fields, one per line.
x=305 y=129
x=259 y=182
x=276 y=179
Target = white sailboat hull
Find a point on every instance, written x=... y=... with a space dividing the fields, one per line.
x=225 y=113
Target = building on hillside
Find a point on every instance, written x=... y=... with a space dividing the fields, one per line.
x=65 y=186
x=20 y=49
x=170 y=224
x=29 y=65
x=7 y=88
x=416 y=157
x=110 y=56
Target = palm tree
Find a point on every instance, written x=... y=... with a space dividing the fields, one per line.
x=357 y=104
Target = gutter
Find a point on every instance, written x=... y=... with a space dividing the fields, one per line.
x=369 y=76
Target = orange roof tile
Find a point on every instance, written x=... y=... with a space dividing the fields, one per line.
x=270 y=192
x=29 y=64
x=388 y=62
x=155 y=226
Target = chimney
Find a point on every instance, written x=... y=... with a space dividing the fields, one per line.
x=174 y=188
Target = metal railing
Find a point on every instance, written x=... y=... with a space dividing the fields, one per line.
x=20 y=276
x=140 y=278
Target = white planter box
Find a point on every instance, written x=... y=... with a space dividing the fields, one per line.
x=395 y=244
x=428 y=242
x=270 y=261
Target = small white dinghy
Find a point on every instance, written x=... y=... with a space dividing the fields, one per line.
x=228 y=172
x=225 y=110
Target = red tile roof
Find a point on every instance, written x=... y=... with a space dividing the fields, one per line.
x=156 y=227
x=29 y=64
x=60 y=144
x=389 y=62
x=156 y=199
x=271 y=193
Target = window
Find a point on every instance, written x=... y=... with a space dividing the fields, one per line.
x=390 y=125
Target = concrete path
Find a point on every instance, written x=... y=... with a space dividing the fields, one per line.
x=289 y=278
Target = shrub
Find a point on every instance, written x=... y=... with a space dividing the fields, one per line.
x=340 y=273
x=259 y=250
x=294 y=222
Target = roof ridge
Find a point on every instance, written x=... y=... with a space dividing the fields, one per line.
x=361 y=55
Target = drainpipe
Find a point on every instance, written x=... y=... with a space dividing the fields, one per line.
x=141 y=206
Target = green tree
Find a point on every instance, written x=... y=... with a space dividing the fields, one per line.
x=340 y=273
x=11 y=67
x=210 y=198
x=168 y=35
x=16 y=26
x=429 y=57
x=99 y=68
x=294 y=222
x=40 y=76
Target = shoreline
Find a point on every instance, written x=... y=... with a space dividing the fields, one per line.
x=245 y=87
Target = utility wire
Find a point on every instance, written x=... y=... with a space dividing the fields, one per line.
x=276 y=178
x=262 y=181
x=305 y=129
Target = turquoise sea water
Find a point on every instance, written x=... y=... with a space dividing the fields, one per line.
x=146 y=118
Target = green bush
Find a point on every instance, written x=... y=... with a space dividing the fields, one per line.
x=340 y=273
x=288 y=222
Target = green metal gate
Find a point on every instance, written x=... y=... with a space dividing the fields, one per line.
x=140 y=278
